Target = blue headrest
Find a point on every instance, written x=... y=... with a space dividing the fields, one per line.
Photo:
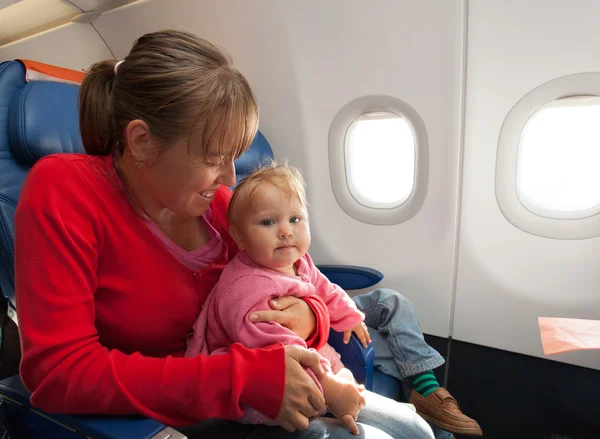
x=12 y=78
x=36 y=119
x=43 y=120
x=12 y=174
x=258 y=152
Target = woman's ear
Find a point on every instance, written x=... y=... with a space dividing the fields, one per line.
x=237 y=236
x=138 y=140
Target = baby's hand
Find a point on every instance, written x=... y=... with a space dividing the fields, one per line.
x=361 y=332
x=347 y=402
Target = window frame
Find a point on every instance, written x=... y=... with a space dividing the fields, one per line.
x=531 y=219
x=338 y=167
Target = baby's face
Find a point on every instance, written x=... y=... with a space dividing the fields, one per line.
x=274 y=229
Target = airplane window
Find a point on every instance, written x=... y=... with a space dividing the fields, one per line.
x=558 y=159
x=380 y=160
x=547 y=179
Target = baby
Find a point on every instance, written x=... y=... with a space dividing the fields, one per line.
x=269 y=222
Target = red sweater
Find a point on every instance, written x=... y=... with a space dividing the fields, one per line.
x=105 y=309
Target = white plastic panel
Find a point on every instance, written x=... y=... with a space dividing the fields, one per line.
x=30 y=16
x=98 y=5
x=508 y=277
x=74 y=46
x=305 y=61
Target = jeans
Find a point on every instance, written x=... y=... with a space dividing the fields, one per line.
x=400 y=349
x=381 y=418
x=396 y=337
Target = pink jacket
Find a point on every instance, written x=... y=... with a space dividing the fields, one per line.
x=245 y=287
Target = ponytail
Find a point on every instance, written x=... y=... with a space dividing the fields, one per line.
x=179 y=85
x=96 y=120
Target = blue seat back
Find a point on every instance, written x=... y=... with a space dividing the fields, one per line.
x=259 y=152
x=38 y=119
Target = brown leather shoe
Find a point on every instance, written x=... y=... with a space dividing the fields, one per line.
x=441 y=409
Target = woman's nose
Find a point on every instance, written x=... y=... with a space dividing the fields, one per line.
x=227 y=176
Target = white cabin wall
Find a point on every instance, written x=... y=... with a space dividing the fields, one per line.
x=74 y=46
x=305 y=60
x=507 y=277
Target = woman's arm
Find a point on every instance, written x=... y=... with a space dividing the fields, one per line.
x=232 y=308
x=58 y=240
x=308 y=317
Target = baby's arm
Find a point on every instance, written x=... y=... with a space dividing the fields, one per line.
x=342 y=310
x=242 y=297
x=234 y=307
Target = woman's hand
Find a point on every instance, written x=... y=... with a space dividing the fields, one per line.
x=291 y=312
x=301 y=398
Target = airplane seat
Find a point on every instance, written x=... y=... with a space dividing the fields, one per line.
x=259 y=152
x=40 y=118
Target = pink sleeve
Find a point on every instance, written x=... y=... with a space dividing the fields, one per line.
x=334 y=358
x=244 y=296
x=234 y=306
x=342 y=310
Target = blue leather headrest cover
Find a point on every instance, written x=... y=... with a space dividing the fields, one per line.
x=43 y=120
x=258 y=152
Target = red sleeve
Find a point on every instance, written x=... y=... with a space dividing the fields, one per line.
x=58 y=239
x=321 y=333
x=220 y=221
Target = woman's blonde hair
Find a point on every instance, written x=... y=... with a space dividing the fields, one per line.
x=180 y=85
x=284 y=177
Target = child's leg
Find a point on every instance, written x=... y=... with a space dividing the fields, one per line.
x=393 y=317
x=397 y=325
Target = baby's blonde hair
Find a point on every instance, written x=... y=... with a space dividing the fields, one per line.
x=284 y=177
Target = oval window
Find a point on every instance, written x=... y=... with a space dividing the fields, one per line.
x=547 y=179
x=379 y=159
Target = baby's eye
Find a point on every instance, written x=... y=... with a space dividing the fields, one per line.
x=295 y=219
x=267 y=222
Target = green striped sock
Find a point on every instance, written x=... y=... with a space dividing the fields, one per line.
x=425 y=383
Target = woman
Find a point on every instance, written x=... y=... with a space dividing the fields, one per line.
x=117 y=250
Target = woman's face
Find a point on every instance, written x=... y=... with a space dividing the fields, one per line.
x=184 y=181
